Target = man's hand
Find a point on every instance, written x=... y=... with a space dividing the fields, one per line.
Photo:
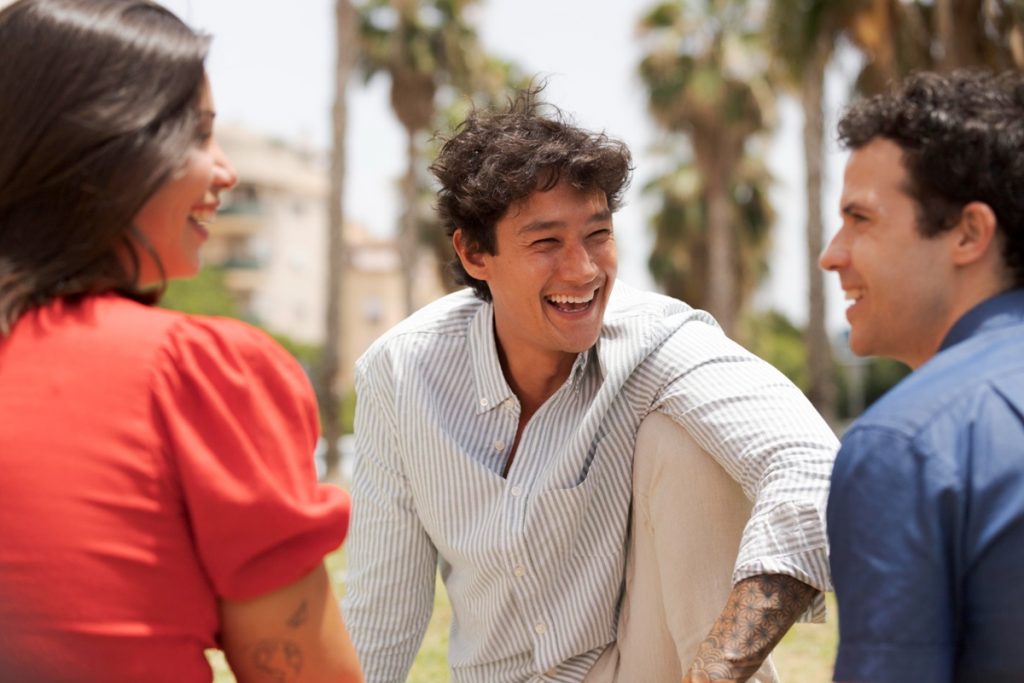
x=759 y=612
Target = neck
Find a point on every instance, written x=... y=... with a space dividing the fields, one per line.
x=974 y=287
x=533 y=380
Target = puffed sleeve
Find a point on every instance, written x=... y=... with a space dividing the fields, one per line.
x=241 y=425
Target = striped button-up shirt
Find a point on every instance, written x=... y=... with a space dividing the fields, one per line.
x=533 y=563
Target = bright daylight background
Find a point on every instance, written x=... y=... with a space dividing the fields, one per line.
x=271 y=67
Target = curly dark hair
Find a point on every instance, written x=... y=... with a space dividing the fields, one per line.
x=496 y=158
x=962 y=137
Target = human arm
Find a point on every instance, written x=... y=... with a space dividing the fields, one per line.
x=760 y=610
x=392 y=564
x=290 y=635
x=239 y=425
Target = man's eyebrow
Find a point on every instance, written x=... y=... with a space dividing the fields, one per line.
x=538 y=226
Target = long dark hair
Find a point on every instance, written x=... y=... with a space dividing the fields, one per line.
x=98 y=108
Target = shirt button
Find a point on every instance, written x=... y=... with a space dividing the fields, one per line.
x=483 y=402
x=516 y=491
x=520 y=570
x=540 y=628
x=499 y=445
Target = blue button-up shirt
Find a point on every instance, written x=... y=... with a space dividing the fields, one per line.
x=926 y=515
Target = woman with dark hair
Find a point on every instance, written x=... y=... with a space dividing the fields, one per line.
x=158 y=494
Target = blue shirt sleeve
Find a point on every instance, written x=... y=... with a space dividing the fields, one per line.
x=892 y=518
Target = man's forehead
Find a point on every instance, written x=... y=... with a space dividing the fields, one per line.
x=554 y=205
x=874 y=170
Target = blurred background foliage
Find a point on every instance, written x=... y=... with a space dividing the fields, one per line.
x=714 y=72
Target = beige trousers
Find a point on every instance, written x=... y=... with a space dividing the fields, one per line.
x=688 y=515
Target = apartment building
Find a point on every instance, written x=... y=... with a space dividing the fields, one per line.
x=271 y=240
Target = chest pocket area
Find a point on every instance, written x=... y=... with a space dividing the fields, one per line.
x=589 y=519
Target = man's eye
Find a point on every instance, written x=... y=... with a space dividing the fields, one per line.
x=547 y=241
x=603 y=232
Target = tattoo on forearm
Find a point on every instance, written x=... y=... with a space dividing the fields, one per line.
x=298 y=618
x=280 y=660
x=759 y=612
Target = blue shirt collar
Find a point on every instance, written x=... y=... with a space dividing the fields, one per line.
x=995 y=313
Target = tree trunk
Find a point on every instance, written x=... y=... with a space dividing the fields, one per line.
x=721 y=248
x=957 y=28
x=822 y=389
x=408 y=240
x=331 y=394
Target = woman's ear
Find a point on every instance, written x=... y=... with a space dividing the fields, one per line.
x=473 y=260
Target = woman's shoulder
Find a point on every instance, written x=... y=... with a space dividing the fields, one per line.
x=209 y=344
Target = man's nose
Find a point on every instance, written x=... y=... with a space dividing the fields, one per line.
x=836 y=254
x=578 y=265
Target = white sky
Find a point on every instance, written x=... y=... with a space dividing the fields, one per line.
x=271 y=67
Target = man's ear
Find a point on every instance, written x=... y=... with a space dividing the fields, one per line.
x=473 y=260
x=975 y=234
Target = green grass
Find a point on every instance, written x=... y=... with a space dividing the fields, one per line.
x=804 y=656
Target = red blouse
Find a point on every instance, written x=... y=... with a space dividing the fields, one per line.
x=150 y=463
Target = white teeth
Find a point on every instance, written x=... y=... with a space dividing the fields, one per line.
x=566 y=299
x=203 y=216
x=853 y=294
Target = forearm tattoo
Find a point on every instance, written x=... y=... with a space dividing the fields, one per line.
x=759 y=612
x=280 y=659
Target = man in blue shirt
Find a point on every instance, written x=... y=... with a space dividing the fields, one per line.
x=926 y=511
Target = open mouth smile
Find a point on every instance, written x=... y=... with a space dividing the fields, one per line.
x=567 y=303
x=200 y=217
x=853 y=294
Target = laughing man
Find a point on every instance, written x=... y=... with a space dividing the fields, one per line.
x=495 y=439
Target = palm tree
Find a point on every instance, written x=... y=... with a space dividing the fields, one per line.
x=804 y=34
x=681 y=221
x=896 y=37
x=978 y=33
x=330 y=396
x=702 y=81
x=423 y=45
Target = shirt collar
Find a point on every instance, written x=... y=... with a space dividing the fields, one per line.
x=489 y=381
x=997 y=312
